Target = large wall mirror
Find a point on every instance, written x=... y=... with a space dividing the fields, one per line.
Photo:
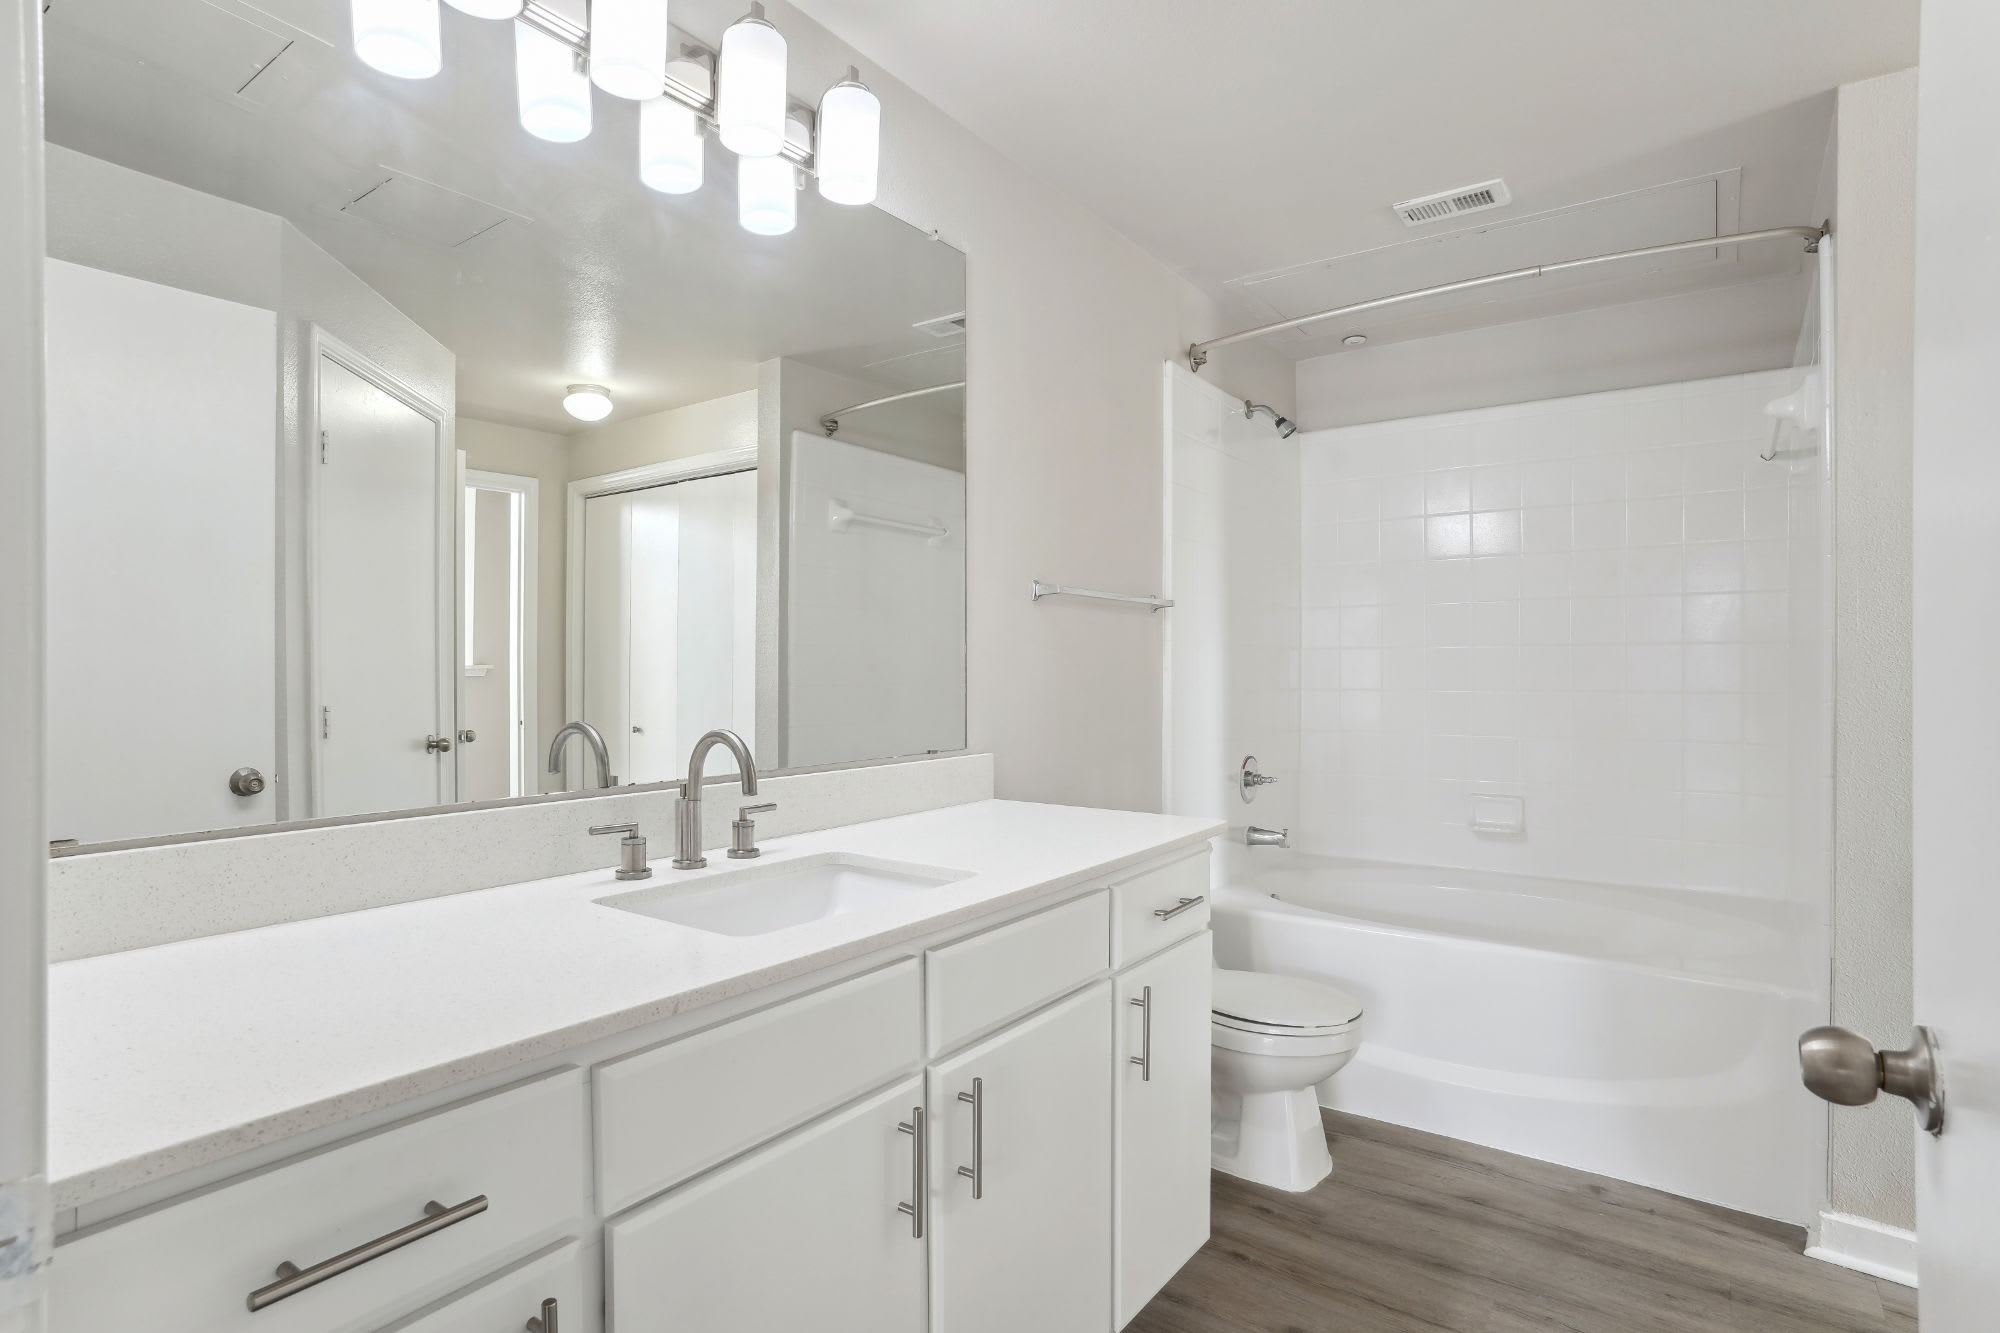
x=324 y=538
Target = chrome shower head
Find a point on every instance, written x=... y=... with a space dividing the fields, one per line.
x=1286 y=426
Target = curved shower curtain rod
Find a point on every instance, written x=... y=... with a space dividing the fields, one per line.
x=1197 y=353
x=831 y=421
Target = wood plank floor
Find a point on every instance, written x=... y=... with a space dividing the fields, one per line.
x=1417 y=1232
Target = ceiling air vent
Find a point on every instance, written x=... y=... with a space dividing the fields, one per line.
x=944 y=326
x=1453 y=203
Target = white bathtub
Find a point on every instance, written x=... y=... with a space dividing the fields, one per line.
x=1645 y=1034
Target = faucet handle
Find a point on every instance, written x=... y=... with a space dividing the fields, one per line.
x=631 y=850
x=743 y=831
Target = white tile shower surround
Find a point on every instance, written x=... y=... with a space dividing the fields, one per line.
x=1586 y=602
x=106 y=902
x=1233 y=673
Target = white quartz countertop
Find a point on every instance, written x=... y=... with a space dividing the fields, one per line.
x=169 y=1058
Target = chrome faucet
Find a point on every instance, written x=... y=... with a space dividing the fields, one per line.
x=591 y=737
x=1267 y=837
x=687 y=811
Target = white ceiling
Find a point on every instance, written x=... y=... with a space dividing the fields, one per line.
x=537 y=264
x=1256 y=146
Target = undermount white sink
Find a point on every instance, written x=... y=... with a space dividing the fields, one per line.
x=762 y=899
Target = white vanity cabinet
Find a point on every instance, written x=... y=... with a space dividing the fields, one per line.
x=805 y=1234
x=561 y=1281
x=1160 y=1171
x=1021 y=1176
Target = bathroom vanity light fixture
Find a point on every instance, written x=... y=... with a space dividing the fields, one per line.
x=399 y=37
x=553 y=88
x=624 y=52
x=587 y=402
x=750 y=97
x=488 y=9
x=672 y=149
x=767 y=189
x=850 y=141
x=628 y=47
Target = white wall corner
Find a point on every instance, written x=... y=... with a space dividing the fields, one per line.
x=1864 y=1245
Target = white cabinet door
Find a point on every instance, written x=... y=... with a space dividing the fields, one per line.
x=1160 y=1173
x=802 y=1235
x=1033 y=1250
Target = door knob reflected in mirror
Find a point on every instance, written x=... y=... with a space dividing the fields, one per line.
x=246 y=782
x=468 y=736
x=1843 y=1068
x=437 y=744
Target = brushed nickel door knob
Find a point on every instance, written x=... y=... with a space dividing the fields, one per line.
x=246 y=782
x=1844 y=1068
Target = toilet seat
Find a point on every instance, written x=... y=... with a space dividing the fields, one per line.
x=1276 y=1006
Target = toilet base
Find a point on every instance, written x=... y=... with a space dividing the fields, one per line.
x=1271 y=1138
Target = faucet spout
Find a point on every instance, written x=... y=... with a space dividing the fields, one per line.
x=591 y=737
x=687 y=811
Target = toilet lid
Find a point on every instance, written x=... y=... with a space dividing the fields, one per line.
x=1282 y=1002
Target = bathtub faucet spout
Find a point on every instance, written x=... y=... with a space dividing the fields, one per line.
x=1267 y=837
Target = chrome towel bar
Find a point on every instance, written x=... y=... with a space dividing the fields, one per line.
x=1038 y=590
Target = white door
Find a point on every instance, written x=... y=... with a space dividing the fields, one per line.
x=1032 y=1251
x=383 y=570
x=1956 y=644
x=1160 y=1144
x=162 y=557
x=804 y=1234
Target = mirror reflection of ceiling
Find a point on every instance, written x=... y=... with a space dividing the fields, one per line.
x=539 y=265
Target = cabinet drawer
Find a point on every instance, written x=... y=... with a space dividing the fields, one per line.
x=191 y=1265
x=1140 y=927
x=566 y=1273
x=666 y=1113
x=1001 y=974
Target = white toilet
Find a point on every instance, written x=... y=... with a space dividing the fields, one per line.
x=1272 y=1039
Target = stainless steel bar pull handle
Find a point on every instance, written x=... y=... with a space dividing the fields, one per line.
x=976 y=1173
x=1144 y=1059
x=292 y=1279
x=1843 y=1068
x=1169 y=913
x=546 y=1321
x=920 y=1173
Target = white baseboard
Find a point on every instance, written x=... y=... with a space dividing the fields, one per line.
x=1865 y=1246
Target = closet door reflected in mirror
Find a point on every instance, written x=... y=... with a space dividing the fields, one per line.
x=386 y=440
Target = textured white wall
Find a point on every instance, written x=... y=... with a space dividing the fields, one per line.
x=728 y=422
x=1872 y=1154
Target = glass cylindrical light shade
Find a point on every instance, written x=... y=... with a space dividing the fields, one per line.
x=767 y=195
x=628 y=47
x=489 y=9
x=399 y=37
x=555 y=94
x=750 y=96
x=848 y=156
x=672 y=148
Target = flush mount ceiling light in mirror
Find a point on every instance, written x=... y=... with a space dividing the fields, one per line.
x=587 y=402
x=628 y=47
x=624 y=52
x=399 y=37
